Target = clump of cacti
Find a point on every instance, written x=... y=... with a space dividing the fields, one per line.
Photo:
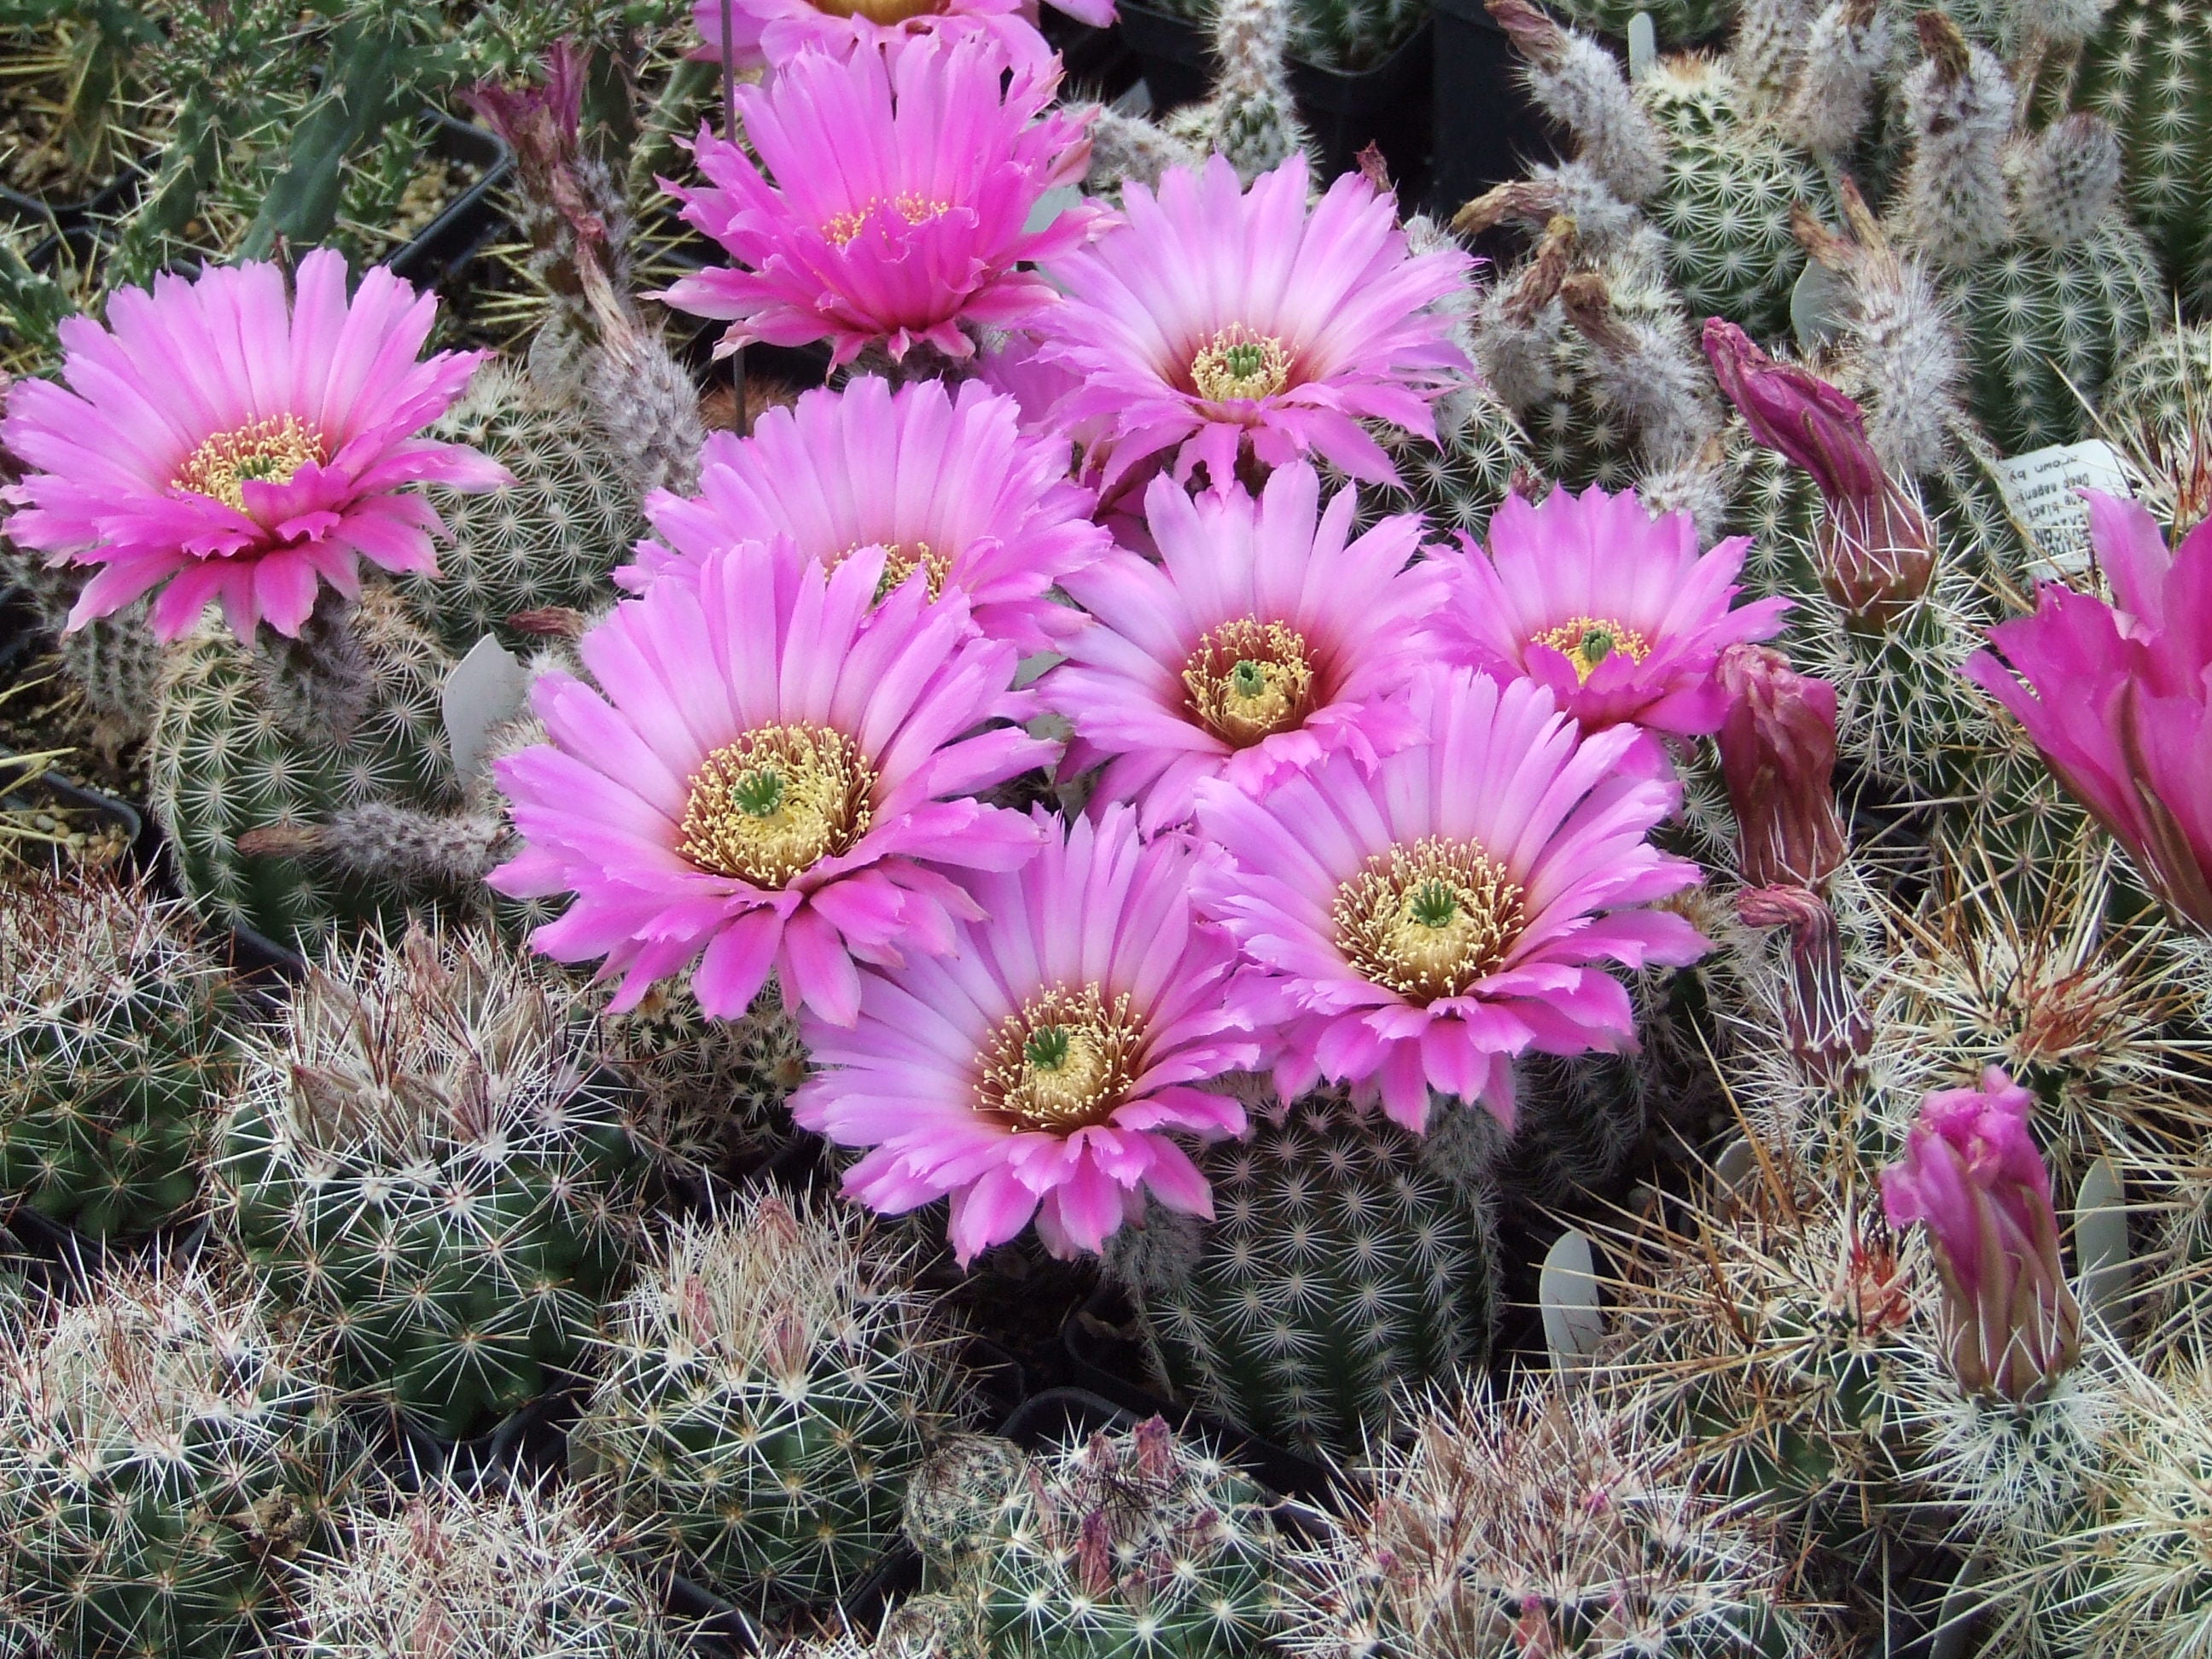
x=764 y=1395
x=429 y=1157
x=167 y=1447
x=2148 y=70
x=113 y=1052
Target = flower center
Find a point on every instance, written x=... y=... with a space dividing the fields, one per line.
x=1238 y=363
x=1586 y=641
x=902 y=559
x=888 y=13
x=912 y=206
x=1063 y=1063
x=269 y=451
x=1428 y=919
x=1248 y=680
x=776 y=802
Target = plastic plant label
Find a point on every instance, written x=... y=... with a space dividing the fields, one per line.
x=1819 y=301
x=485 y=690
x=2040 y=488
x=1574 y=1323
x=1643 y=46
x=2100 y=1240
x=1049 y=206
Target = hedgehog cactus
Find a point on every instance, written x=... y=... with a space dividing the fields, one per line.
x=2148 y=71
x=2158 y=408
x=449 y=1571
x=1346 y=1258
x=715 y=1086
x=112 y=1053
x=165 y=1449
x=429 y=1156
x=1122 y=1546
x=769 y=1386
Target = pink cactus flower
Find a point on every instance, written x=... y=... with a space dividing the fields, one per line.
x=900 y=209
x=1972 y=1173
x=772 y=32
x=1218 y=317
x=218 y=443
x=1264 y=638
x=2116 y=695
x=1416 y=926
x=771 y=774
x=1616 y=610
x=942 y=481
x=1039 y=1068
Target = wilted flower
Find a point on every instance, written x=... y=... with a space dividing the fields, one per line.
x=1778 y=748
x=217 y=443
x=2116 y=695
x=1971 y=1172
x=1874 y=546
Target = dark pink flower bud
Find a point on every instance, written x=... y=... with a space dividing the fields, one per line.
x=1876 y=547
x=1972 y=1173
x=1778 y=747
x=1829 y=1031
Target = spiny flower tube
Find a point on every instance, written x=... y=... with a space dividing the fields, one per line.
x=1263 y=640
x=1416 y=926
x=2117 y=698
x=1616 y=611
x=944 y=481
x=768 y=777
x=1971 y=1172
x=1036 y=1069
x=218 y=443
x=1218 y=316
x=771 y=32
x=902 y=192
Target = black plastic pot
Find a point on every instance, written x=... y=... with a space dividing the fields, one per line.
x=530 y=1442
x=443 y=249
x=19 y=629
x=1486 y=128
x=72 y=227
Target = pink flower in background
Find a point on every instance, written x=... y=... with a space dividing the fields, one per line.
x=899 y=211
x=774 y=31
x=1972 y=1173
x=2116 y=696
x=1218 y=315
x=767 y=776
x=942 y=480
x=219 y=444
x=1417 y=926
x=1616 y=611
x=1259 y=644
x=1038 y=1068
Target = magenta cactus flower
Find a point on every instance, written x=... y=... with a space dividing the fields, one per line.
x=903 y=188
x=1040 y=1068
x=771 y=32
x=1616 y=610
x=942 y=480
x=1416 y=926
x=220 y=444
x=1778 y=748
x=773 y=774
x=1218 y=319
x=1874 y=546
x=1264 y=638
x=2116 y=695
x=1972 y=1173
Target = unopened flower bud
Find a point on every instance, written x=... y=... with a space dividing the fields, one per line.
x=1778 y=748
x=1829 y=1031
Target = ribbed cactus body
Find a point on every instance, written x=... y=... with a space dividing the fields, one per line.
x=1346 y=1259
x=2158 y=407
x=225 y=761
x=715 y=1085
x=429 y=1159
x=2148 y=70
x=112 y=1053
x=165 y=1449
x=767 y=1388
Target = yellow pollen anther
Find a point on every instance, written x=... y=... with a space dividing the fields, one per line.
x=1063 y=1063
x=1428 y=918
x=902 y=559
x=912 y=206
x=269 y=451
x=1238 y=363
x=777 y=801
x=1586 y=641
x=1248 y=680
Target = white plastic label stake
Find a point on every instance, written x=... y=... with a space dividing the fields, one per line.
x=1643 y=46
x=1820 y=303
x=1574 y=1324
x=2100 y=1240
x=1049 y=206
x=484 y=690
x=2040 y=486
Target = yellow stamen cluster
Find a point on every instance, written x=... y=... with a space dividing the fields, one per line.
x=1428 y=918
x=777 y=801
x=1063 y=1063
x=1586 y=641
x=902 y=559
x=912 y=206
x=1248 y=680
x=890 y=14
x=1235 y=362
x=269 y=451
